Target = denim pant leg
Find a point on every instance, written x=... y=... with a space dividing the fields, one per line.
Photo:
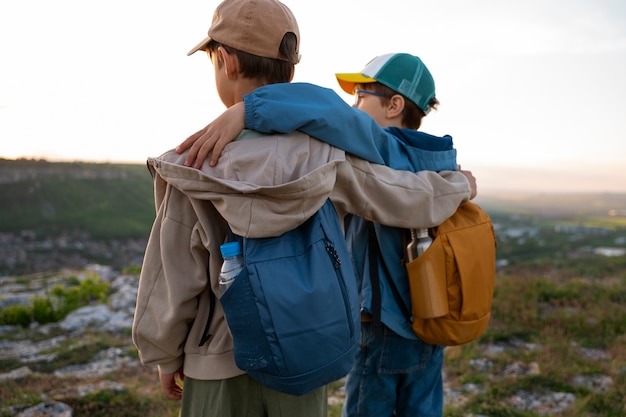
x=394 y=376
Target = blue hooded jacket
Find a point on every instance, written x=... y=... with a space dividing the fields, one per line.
x=321 y=113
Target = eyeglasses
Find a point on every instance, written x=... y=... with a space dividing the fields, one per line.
x=358 y=97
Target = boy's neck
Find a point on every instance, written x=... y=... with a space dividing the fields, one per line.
x=245 y=86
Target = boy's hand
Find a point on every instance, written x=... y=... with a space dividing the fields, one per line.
x=214 y=137
x=471 y=180
x=170 y=386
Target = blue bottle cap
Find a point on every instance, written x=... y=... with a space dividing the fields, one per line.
x=230 y=249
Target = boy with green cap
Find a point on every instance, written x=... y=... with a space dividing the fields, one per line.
x=270 y=185
x=394 y=372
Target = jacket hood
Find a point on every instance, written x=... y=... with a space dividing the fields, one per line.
x=419 y=151
x=425 y=141
x=260 y=188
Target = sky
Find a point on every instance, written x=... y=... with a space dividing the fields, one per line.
x=533 y=92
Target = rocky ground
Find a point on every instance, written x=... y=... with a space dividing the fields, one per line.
x=40 y=344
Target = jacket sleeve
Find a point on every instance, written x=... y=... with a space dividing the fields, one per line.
x=321 y=113
x=172 y=277
x=398 y=198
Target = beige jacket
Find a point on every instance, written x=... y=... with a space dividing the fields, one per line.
x=262 y=187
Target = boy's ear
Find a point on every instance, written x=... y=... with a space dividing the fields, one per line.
x=231 y=63
x=395 y=106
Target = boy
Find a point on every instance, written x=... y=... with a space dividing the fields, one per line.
x=395 y=372
x=267 y=186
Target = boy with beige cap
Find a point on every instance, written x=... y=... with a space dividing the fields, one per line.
x=294 y=173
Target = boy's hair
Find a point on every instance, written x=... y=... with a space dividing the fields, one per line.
x=264 y=70
x=411 y=115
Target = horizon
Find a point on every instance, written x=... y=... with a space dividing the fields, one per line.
x=532 y=93
x=494 y=188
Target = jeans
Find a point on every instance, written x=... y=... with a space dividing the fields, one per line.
x=394 y=376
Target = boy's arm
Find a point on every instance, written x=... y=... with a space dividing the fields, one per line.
x=318 y=112
x=284 y=108
x=400 y=199
x=166 y=305
x=321 y=113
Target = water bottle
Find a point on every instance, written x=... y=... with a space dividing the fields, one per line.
x=433 y=301
x=420 y=241
x=232 y=266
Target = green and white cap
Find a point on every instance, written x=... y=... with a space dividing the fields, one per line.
x=403 y=73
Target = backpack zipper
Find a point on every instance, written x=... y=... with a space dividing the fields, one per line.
x=336 y=262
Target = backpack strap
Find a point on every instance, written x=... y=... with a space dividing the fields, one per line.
x=230 y=237
x=374 y=278
x=205 y=334
x=374 y=258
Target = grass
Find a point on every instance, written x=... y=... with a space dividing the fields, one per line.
x=547 y=317
x=143 y=398
x=540 y=316
x=560 y=317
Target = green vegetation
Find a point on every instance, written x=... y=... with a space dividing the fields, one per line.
x=334 y=410
x=132 y=270
x=547 y=319
x=121 y=404
x=103 y=200
x=541 y=242
x=142 y=398
x=18 y=315
x=558 y=318
x=559 y=307
x=57 y=303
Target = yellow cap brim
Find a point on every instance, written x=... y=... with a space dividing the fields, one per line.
x=347 y=81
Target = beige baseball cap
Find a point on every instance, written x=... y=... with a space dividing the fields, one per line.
x=253 y=26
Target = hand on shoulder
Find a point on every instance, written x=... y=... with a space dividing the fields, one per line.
x=471 y=180
x=214 y=137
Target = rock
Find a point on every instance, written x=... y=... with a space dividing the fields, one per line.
x=16 y=373
x=80 y=390
x=48 y=409
x=98 y=316
x=104 y=363
x=549 y=403
x=597 y=383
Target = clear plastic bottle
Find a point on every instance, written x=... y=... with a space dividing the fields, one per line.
x=420 y=241
x=232 y=266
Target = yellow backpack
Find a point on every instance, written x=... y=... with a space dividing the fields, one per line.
x=452 y=282
x=462 y=257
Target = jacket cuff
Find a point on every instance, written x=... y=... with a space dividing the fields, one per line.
x=170 y=367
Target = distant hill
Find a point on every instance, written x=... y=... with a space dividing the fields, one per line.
x=103 y=200
x=71 y=214
x=557 y=205
x=116 y=200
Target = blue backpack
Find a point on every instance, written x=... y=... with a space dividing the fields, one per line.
x=293 y=311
